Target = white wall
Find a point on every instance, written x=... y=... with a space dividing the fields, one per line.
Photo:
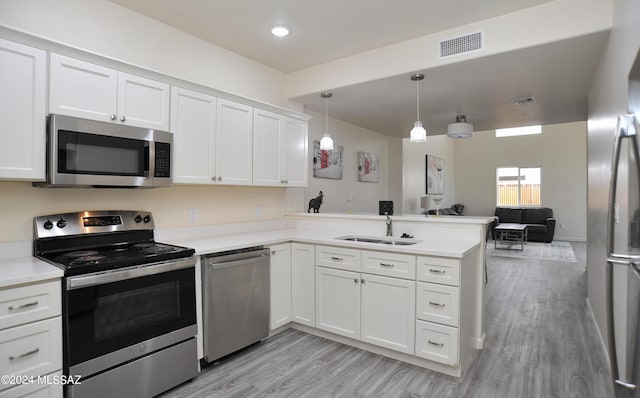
x=607 y=99
x=20 y=202
x=336 y=192
x=414 y=169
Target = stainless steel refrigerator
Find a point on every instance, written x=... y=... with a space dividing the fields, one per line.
x=623 y=248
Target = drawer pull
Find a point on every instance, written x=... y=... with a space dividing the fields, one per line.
x=387 y=265
x=26 y=354
x=436 y=304
x=23 y=306
x=436 y=344
x=355 y=280
x=436 y=271
x=337 y=258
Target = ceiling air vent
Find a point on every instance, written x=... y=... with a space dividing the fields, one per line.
x=461 y=45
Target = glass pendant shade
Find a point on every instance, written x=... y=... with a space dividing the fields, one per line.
x=326 y=143
x=418 y=133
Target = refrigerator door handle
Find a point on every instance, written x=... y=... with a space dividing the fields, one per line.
x=625 y=384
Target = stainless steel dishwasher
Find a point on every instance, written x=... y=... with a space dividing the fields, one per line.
x=235 y=294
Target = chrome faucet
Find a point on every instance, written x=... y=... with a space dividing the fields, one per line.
x=389 y=223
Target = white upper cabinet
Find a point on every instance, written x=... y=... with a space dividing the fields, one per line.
x=143 y=102
x=279 y=150
x=22 y=111
x=234 y=139
x=267 y=137
x=193 y=124
x=85 y=90
x=295 y=153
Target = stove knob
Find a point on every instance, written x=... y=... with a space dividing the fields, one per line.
x=147 y=218
x=61 y=223
x=48 y=224
x=138 y=218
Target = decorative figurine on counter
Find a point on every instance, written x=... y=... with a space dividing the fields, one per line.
x=315 y=203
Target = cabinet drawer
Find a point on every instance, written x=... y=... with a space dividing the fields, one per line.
x=438 y=303
x=43 y=390
x=437 y=343
x=33 y=349
x=389 y=264
x=439 y=270
x=29 y=303
x=338 y=257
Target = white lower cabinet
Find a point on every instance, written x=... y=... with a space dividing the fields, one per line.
x=280 y=285
x=388 y=312
x=375 y=309
x=33 y=349
x=438 y=303
x=437 y=342
x=303 y=285
x=338 y=302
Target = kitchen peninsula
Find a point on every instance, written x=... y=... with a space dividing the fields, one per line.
x=422 y=303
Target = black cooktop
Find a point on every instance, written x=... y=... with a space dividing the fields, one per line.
x=88 y=260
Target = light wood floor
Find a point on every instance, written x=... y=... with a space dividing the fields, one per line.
x=541 y=343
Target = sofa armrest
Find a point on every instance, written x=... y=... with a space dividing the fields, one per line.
x=551 y=228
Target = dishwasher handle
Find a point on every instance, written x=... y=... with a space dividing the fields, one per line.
x=234 y=263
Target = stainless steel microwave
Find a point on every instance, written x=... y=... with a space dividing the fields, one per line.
x=87 y=153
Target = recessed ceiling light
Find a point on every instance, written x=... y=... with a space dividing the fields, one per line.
x=280 y=31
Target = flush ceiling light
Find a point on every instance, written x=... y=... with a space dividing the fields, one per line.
x=460 y=129
x=418 y=133
x=280 y=31
x=326 y=143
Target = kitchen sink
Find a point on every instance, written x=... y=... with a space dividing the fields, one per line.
x=385 y=240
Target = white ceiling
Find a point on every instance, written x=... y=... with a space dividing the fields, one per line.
x=557 y=74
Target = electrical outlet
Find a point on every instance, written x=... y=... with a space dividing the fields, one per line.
x=193 y=214
x=563 y=226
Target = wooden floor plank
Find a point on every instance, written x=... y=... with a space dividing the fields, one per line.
x=541 y=342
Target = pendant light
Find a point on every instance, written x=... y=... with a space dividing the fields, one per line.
x=460 y=129
x=418 y=133
x=326 y=143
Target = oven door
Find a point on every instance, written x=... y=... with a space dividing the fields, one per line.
x=111 y=318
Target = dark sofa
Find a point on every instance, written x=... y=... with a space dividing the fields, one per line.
x=541 y=225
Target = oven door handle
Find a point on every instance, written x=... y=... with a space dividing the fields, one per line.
x=80 y=281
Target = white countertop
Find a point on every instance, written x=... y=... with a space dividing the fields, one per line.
x=19 y=270
x=430 y=246
x=18 y=267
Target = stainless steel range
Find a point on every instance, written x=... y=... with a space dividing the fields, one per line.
x=129 y=310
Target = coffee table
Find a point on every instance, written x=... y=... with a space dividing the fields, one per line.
x=510 y=235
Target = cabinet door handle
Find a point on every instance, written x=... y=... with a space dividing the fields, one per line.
x=435 y=344
x=23 y=306
x=436 y=271
x=220 y=178
x=213 y=178
x=113 y=117
x=362 y=280
x=123 y=119
x=387 y=265
x=436 y=304
x=355 y=280
x=26 y=354
x=337 y=258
